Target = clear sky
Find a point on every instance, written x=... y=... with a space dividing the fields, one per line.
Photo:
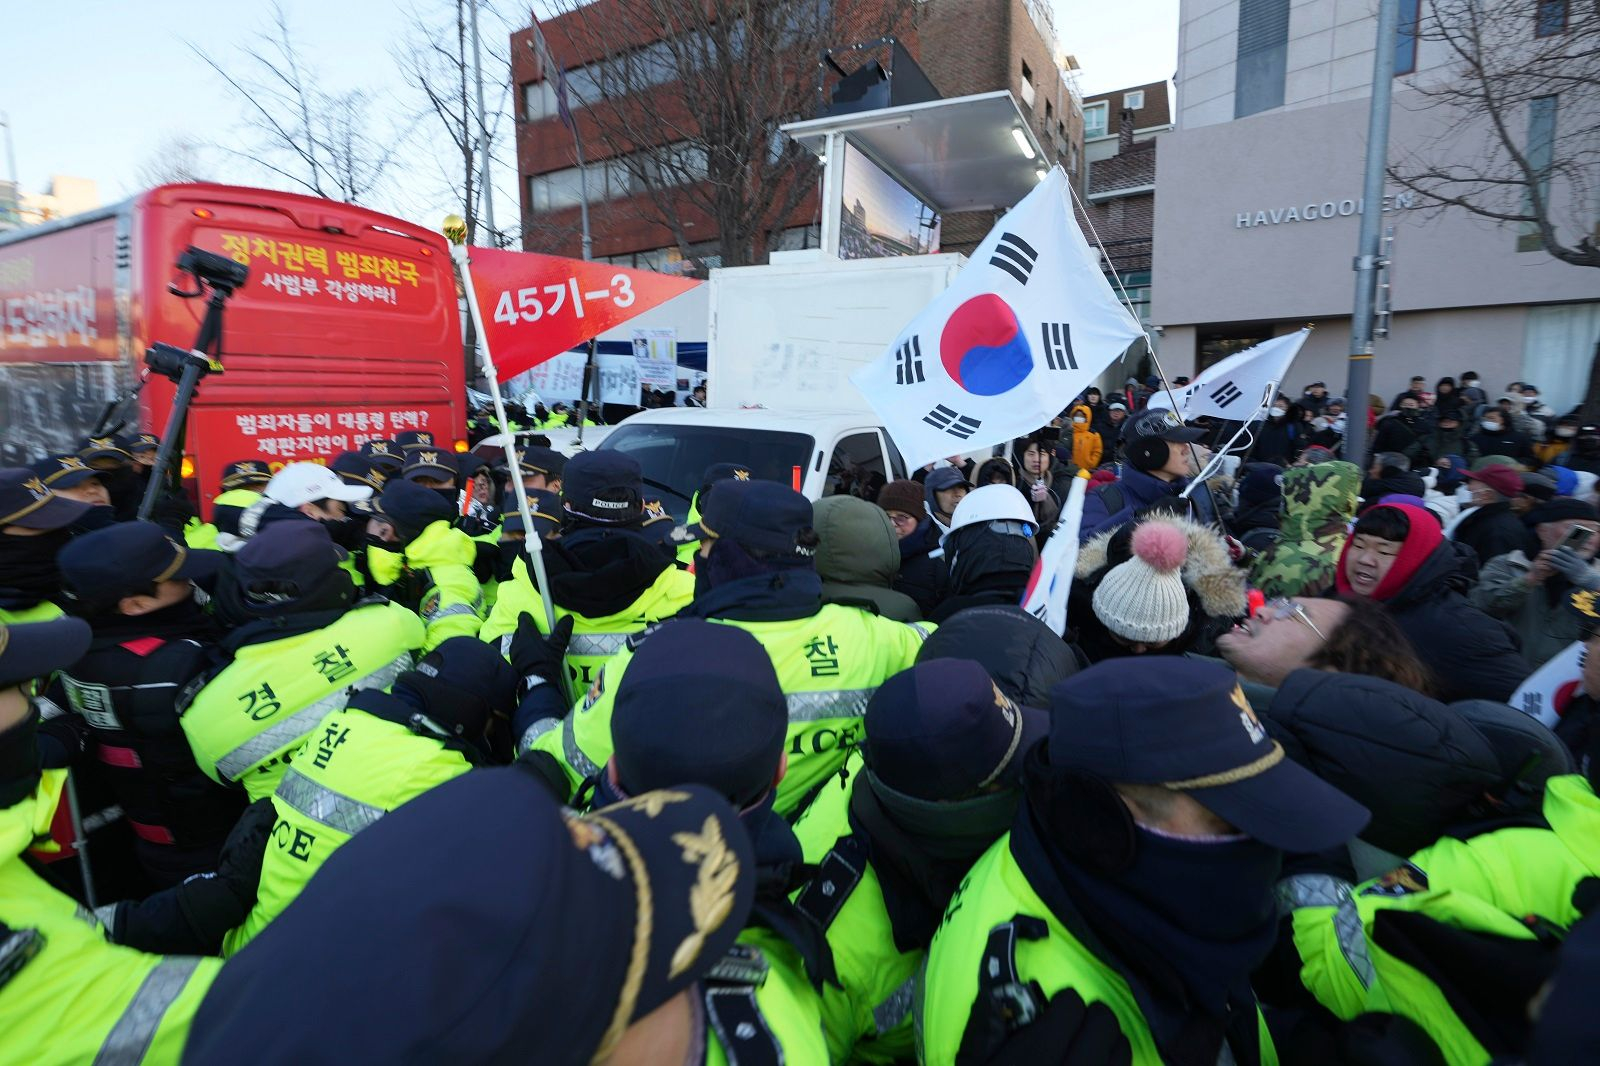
x=93 y=87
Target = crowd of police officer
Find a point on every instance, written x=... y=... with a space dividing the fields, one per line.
x=341 y=775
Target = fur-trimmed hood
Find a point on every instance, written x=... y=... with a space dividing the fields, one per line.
x=1208 y=570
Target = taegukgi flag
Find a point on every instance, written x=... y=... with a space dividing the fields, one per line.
x=1028 y=324
x=1238 y=387
x=1548 y=691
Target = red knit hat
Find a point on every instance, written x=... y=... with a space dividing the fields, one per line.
x=1422 y=538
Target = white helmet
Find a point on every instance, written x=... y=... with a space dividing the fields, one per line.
x=992 y=503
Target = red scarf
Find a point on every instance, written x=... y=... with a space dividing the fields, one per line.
x=1424 y=536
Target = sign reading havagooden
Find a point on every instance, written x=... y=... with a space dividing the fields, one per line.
x=1313 y=211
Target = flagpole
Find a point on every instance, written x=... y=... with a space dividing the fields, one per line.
x=531 y=542
x=1216 y=460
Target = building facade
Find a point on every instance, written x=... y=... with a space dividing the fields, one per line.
x=1258 y=196
x=1119 y=182
x=963 y=47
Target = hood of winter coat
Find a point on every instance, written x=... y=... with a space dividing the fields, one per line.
x=1319 y=500
x=1208 y=570
x=1023 y=656
x=859 y=545
x=1414 y=762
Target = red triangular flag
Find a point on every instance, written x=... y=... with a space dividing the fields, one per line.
x=535 y=307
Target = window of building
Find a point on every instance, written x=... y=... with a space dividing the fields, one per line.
x=1405 y=39
x=857 y=467
x=1550 y=18
x=1540 y=153
x=538 y=101
x=1263 y=52
x=1133 y=101
x=1049 y=111
x=1094 y=119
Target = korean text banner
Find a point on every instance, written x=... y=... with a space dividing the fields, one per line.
x=535 y=307
x=1028 y=324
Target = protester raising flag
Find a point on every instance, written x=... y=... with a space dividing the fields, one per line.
x=1241 y=384
x=1029 y=323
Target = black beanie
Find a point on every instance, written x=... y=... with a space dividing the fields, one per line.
x=1560 y=509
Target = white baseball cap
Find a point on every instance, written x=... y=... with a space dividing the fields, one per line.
x=302 y=483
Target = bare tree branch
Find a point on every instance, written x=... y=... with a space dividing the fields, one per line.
x=320 y=141
x=680 y=102
x=1482 y=161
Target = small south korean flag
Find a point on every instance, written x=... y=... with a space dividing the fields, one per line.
x=1028 y=324
x=1240 y=386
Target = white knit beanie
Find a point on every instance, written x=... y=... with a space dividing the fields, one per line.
x=1144 y=600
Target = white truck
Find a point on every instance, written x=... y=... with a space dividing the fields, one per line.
x=782 y=343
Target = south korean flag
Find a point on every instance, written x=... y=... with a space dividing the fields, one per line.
x=1240 y=386
x=1028 y=324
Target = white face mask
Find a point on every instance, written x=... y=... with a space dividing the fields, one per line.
x=1080 y=422
x=1490 y=425
x=1566 y=431
x=1464 y=496
x=1469 y=383
x=1276 y=412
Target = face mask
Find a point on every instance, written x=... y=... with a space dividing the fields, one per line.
x=1490 y=425
x=1469 y=383
x=1276 y=412
x=1464 y=496
x=1407 y=414
x=1080 y=422
x=1566 y=431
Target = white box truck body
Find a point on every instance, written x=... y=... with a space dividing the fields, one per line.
x=783 y=341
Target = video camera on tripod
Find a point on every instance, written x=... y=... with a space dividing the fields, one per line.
x=186 y=366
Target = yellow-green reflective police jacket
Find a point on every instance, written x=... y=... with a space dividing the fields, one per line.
x=244 y=723
x=994 y=894
x=80 y=999
x=828 y=664
x=594 y=640
x=760 y=1008
x=451 y=600
x=352 y=770
x=1485 y=884
x=867 y=1018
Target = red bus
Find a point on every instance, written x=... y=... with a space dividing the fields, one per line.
x=347 y=329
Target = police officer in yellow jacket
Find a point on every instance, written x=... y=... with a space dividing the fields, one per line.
x=1138 y=877
x=417 y=557
x=604 y=573
x=242 y=484
x=33 y=527
x=307 y=644
x=939 y=785
x=1460 y=936
x=756 y=573
x=760 y=1005
x=66 y=995
x=377 y=752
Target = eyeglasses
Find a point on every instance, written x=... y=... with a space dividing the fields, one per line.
x=901 y=519
x=1286 y=608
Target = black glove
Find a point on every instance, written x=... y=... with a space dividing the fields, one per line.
x=538 y=658
x=1068 y=1033
x=192 y=918
x=63 y=740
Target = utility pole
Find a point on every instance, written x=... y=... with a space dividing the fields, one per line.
x=485 y=189
x=1368 y=261
x=13 y=212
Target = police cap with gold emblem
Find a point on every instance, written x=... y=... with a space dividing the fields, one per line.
x=1186 y=725
x=26 y=501
x=63 y=471
x=482 y=923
